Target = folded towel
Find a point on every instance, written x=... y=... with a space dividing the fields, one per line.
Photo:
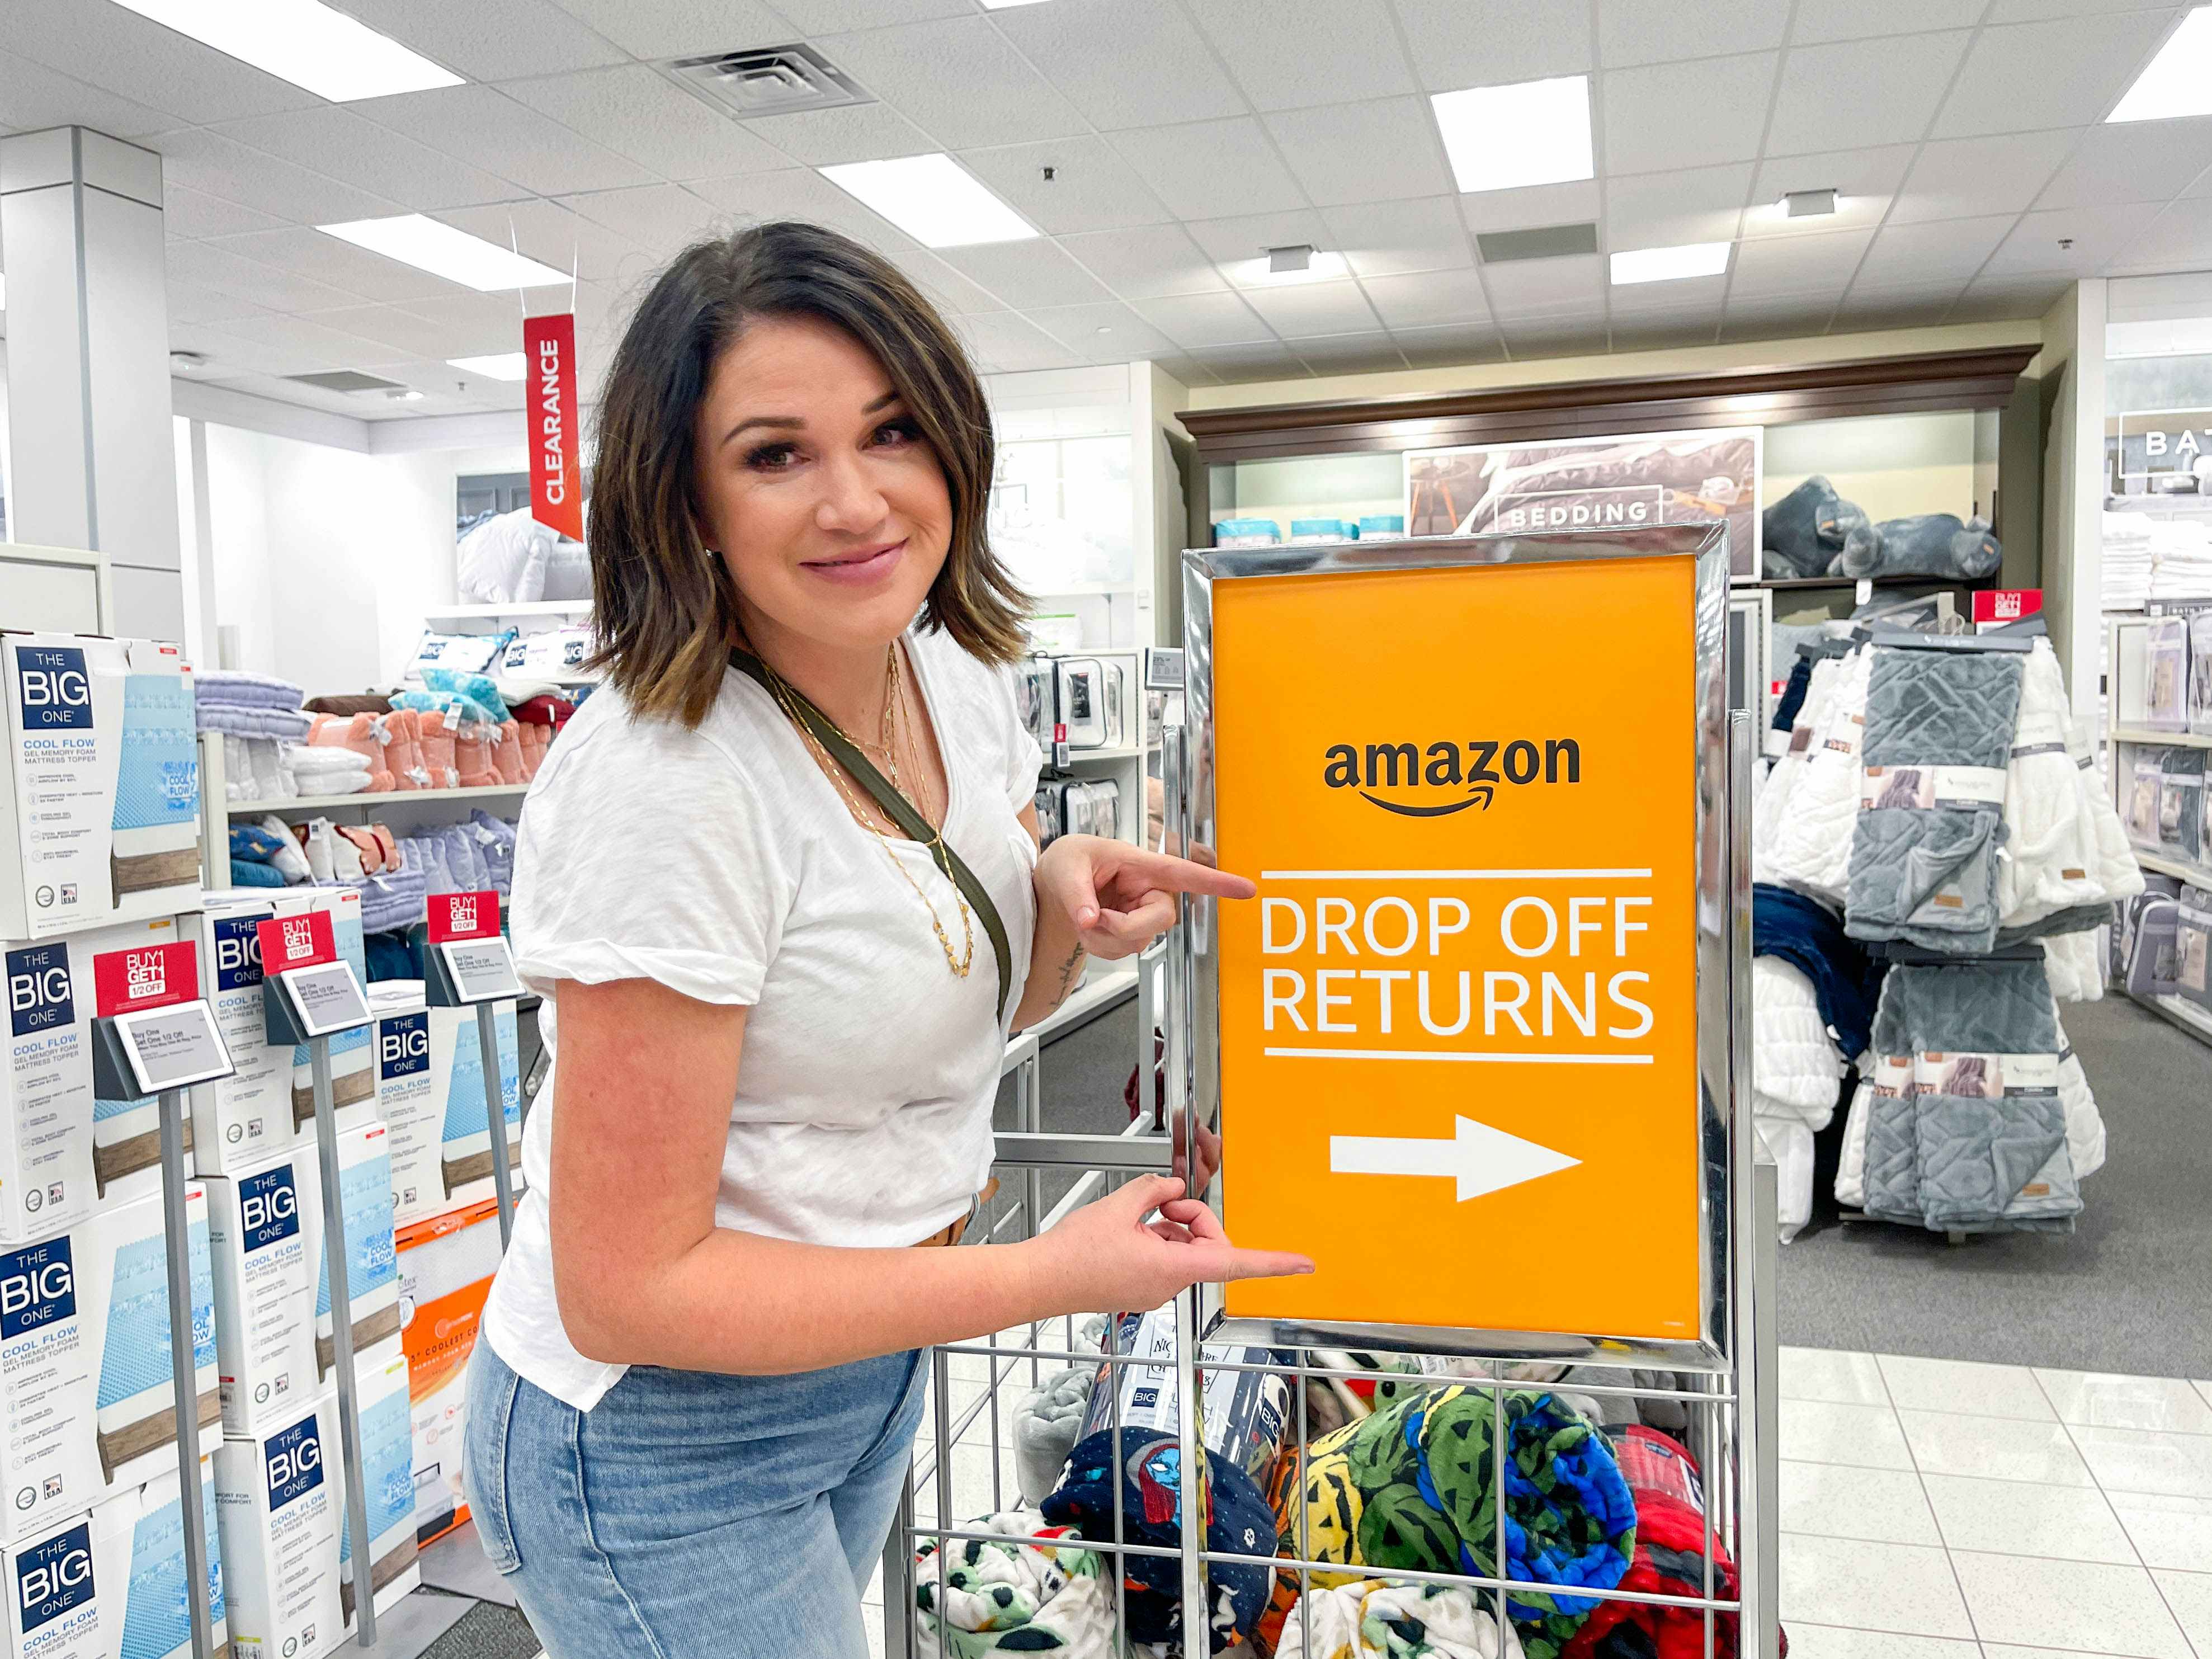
x=256 y=721
x=250 y=872
x=238 y=690
x=472 y=757
x=1370 y=1619
x=403 y=749
x=367 y=702
x=364 y=735
x=549 y=709
x=506 y=753
x=391 y=901
x=1038 y=1591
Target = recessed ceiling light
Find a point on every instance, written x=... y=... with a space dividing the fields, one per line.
x=1534 y=132
x=303 y=41
x=932 y=199
x=500 y=366
x=406 y=394
x=186 y=363
x=1808 y=203
x=440 y=249
x=1663 y=265
x=2179 y=81
x=1320 y=267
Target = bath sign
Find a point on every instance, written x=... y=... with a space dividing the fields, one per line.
x=1458 y=1024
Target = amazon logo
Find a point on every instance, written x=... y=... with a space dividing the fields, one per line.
x=1449 y=777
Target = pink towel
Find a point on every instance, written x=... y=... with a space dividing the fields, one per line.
x=506 y=753
x=364 y=735
x=404 y=752
x=439 y=760
x=472 y=760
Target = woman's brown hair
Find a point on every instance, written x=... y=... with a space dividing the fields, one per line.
x=665 y=609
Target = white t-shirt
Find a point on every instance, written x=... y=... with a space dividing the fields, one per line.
x=723 y=863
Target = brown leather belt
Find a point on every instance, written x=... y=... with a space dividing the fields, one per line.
x=953 y=1234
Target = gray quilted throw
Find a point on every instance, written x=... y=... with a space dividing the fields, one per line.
x=1939 y=731
x=1966 y=1132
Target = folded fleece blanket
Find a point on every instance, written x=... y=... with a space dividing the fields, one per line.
x=1794 y=1070
x=1371 y=1619
x=1670 y=1560
x=1924 y=848
x=1847 y=981
x=235 y=689
x=1142 y=1476
x=1038 y=1591
x=256 y=721
x=252 y=872
x=1412 y=1487
x=1965 y=1129
x=1048 y=1420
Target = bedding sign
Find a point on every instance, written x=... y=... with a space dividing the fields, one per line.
x=557 y=482
x=1461 y=1015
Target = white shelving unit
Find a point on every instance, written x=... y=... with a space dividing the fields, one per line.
x=564 y=608
x=2144 y=734
x=382 y=804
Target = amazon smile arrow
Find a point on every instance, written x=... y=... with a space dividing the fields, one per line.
x=1480 y=1158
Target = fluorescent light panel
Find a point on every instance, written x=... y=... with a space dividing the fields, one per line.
x=302 y=41
x=1665 y=265
x=2179 y=81
x=500 y=366
x=440 y=249
x=932 y=199
x=1534 y=132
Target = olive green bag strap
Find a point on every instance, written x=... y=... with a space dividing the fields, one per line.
x=897 y=808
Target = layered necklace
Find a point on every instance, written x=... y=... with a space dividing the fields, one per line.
x=897 y=718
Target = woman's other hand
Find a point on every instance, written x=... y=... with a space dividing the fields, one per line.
x=1107 y=1255
x=1121 y=898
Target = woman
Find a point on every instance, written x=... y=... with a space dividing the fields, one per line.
x=779 y=886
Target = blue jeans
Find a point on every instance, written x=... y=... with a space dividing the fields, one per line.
x=692 y=1515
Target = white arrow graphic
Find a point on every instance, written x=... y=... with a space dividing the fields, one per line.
x=1480 y=1158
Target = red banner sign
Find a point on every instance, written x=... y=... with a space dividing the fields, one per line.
x=1995 y=606
x=145 y=976
x=300 y=941
x=464 y=916
x=556 y=482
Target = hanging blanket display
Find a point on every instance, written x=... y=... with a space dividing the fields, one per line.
x=1411 y=1487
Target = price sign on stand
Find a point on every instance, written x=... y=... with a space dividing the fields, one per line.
x=464 y=934
x=157 y=1023
x=1459 y=1026
x=318 y=991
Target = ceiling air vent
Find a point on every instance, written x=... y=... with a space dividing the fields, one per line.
x=1545 y=242
x=770 y=81
x=344 y=380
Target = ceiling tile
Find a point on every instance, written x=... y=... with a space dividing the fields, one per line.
x=855 y=132
x=490 y=39
x=2101 y=237
x=1198 y=320
x=1086 y=48
x=1533 y=205
x=33 y=96
x=554 y=236
x=134 y=58
x=1864 y=180
x=1961 y=178
x=943 y=286
x=799 y=193
x=1487 y=43
x=1027 y=275
x=1665 y=209
x=2179 y=239
x=2011 y=297
x=1908 y=306
x=205 y=161
x=1538 y=338
x=1523 y=288
x=1861 y=87
x=1859 y=20
x=1210 y=168
x=1367 y=152
x=816 y=18
x=2135 y=162
x=1919 y=254
x=644 y=116
x=1240 y=365
x=1686 y=115
x=1297 y=310
x=334 y=141
x=1442 y=348
x=1007 y=341
x=1801 y=313
x=190 y=302
x=1187 y=370
x=1382 y=239
x=681 y=28
x=487 y=129
x=307 y=252
x=1349 y=354
x=1428 y=300
x=479 y=322
x=1111 y=329
x=659 y=218
x=960 y=80
x=1232 y=244
x=312 y=335
x=1683 y=296
x=1664 y=334
x=1657 y=31
x=189 y=214
x=1091 y=188
x=1149 y=262
x=2018 y=11
x=2065 y=73
x=402 y=329
x=1307 y=51
x=1766 y=325
x=204 y=264
x=1807 y=263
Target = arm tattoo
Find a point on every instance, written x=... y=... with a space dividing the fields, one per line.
x=1068 y=974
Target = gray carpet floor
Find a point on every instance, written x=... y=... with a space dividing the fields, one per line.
x=2130 y=1290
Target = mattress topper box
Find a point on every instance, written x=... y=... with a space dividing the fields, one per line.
x=387 y=1473
x=264 y=1290
x=372 y=1271
x=100 y=793
x=429 y=1090
x=49 y=1464
x=276 y=1508
x=446 y=1268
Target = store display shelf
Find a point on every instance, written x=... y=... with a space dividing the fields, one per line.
x=1094 y=997
x=1079 y=757
x=1782 y=582
x=2181 y=1012
x=2180 y=869
x=382 y=799
x=2166 y=739
x=524 y=608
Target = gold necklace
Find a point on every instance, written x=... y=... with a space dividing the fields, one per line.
x=960 y=964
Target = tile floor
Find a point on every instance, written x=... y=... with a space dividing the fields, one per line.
x=1937 y=1509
